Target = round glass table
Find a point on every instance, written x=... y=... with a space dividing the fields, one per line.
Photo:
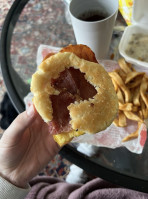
x=29 y=24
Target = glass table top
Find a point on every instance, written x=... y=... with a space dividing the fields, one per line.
x=35 y=22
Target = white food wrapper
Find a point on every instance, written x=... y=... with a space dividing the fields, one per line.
x=43 y=51
x=112 y=136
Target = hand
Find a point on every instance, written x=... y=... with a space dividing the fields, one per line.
x=26 y=147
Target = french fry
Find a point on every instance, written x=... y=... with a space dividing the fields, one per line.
x=132 y=135
x=122 y=74
x=130 y=66
x=135 y=109
x=115 y=85
x=136 y=82
x=140 y=114
x=124 y=66
x=131 y=87
x=146 y=114
x=119 y=81
x=126 y=106
x=143 y=88
x=136 y=97
x=132 y=116
x=132 y=75
x=116 y=122
x=122 y=119
x=120 y=96
x=143 y=109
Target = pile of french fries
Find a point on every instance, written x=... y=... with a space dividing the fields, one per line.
x=131 y=87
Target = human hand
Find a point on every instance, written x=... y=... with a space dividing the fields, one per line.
x=26 y=147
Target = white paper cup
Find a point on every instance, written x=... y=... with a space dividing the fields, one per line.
x=97 y=34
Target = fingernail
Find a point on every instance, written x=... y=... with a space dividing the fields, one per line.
x=30 y=111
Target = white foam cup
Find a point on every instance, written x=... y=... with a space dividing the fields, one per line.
x=95 y=34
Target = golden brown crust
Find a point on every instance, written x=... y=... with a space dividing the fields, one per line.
x=90 y=116
x=82 y=51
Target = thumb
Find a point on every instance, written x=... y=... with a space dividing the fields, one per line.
x=20 y=124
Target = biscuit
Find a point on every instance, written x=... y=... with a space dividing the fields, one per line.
x=90 y=115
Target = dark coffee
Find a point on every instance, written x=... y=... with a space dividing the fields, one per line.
x=91 y=16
